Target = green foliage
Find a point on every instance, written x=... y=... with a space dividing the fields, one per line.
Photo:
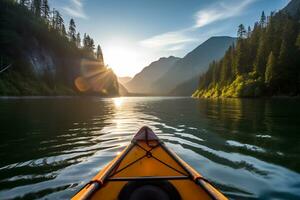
x=241 y=31
x=247 y=85
x=72 y=31
x=270 y=75
x=30 y=26
x=265 y=61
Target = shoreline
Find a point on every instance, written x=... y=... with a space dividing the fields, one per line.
x=263 y=97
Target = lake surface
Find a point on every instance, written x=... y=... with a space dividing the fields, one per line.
x=51 y=147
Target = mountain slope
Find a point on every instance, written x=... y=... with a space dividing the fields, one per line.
x=193 y=63
x=124 y=79
x=293 y=8
x=186 y=88
x=143 y=81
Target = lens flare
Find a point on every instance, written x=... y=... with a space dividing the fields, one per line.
x=95 y=78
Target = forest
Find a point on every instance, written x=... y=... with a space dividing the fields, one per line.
x=265 y=61
x=32 y=26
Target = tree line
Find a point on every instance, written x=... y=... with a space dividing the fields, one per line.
x=55 y=21
x=264 y=61
x=33 y=34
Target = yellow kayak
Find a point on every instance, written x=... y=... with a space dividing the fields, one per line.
x=147 y=169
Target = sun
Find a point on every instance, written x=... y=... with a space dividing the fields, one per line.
x=122 y=59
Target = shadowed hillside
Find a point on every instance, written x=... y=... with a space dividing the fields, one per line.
x=46 y=59
x=193 y=63
x=143 y=82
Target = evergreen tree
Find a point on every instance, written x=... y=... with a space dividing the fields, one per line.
x=78 y=40
x=88 y=43
x=99 y=54
x=36 y=7
x=61 y=25
x=261 y=57
x=85 y=41
x=249 y=32
x=63 y=30
x=263 y=19
x=270 y=70
x=241 y=31
x=92 y=45
x=72 y=31
x=45 y=9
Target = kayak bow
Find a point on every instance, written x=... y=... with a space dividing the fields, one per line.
x=147 y=169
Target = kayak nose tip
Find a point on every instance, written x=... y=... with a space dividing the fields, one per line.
x=145 y=134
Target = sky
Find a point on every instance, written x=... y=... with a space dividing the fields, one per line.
x=134 y=33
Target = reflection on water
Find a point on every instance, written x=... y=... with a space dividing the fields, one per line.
x=51 y=147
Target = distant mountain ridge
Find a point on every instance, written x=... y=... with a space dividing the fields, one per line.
x=143 y=81
x=124 y=79
x=194 y=63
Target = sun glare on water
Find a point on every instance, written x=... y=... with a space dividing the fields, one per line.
x=118 y=102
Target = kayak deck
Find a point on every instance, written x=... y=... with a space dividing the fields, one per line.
x=148 y=167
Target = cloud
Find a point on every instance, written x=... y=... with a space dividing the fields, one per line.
x=169 y=40
x=75 y=9
x=176 y=47
x=176 y=40
x=219 y=12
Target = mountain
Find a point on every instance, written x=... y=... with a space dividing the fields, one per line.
x=292 y=8
x=122 y=90
x=193 y=63
x=124 y=80
x=143 y=81
x=264 y=62
x=38 y=57
x=186 y=88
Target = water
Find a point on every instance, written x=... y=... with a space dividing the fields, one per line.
x=50 y=147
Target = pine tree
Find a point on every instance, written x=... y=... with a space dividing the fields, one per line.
x=270 y=70
x=60 y=24
x=88 y=44
x=45 y=9
x=63 y=30
x=263 y=19
x=36 y=7
x=241 y=31
x=84 y=43
x=240 y=54
x=249 y=32
x=91 y=45
x=261 y=58
x=53 y=19
x=269 y=55
x=99 y=55
x=72 y=31
x=78 y=40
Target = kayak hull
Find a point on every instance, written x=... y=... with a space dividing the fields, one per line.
x=147 y=163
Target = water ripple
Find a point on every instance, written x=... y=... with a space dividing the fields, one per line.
x=237 y=144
